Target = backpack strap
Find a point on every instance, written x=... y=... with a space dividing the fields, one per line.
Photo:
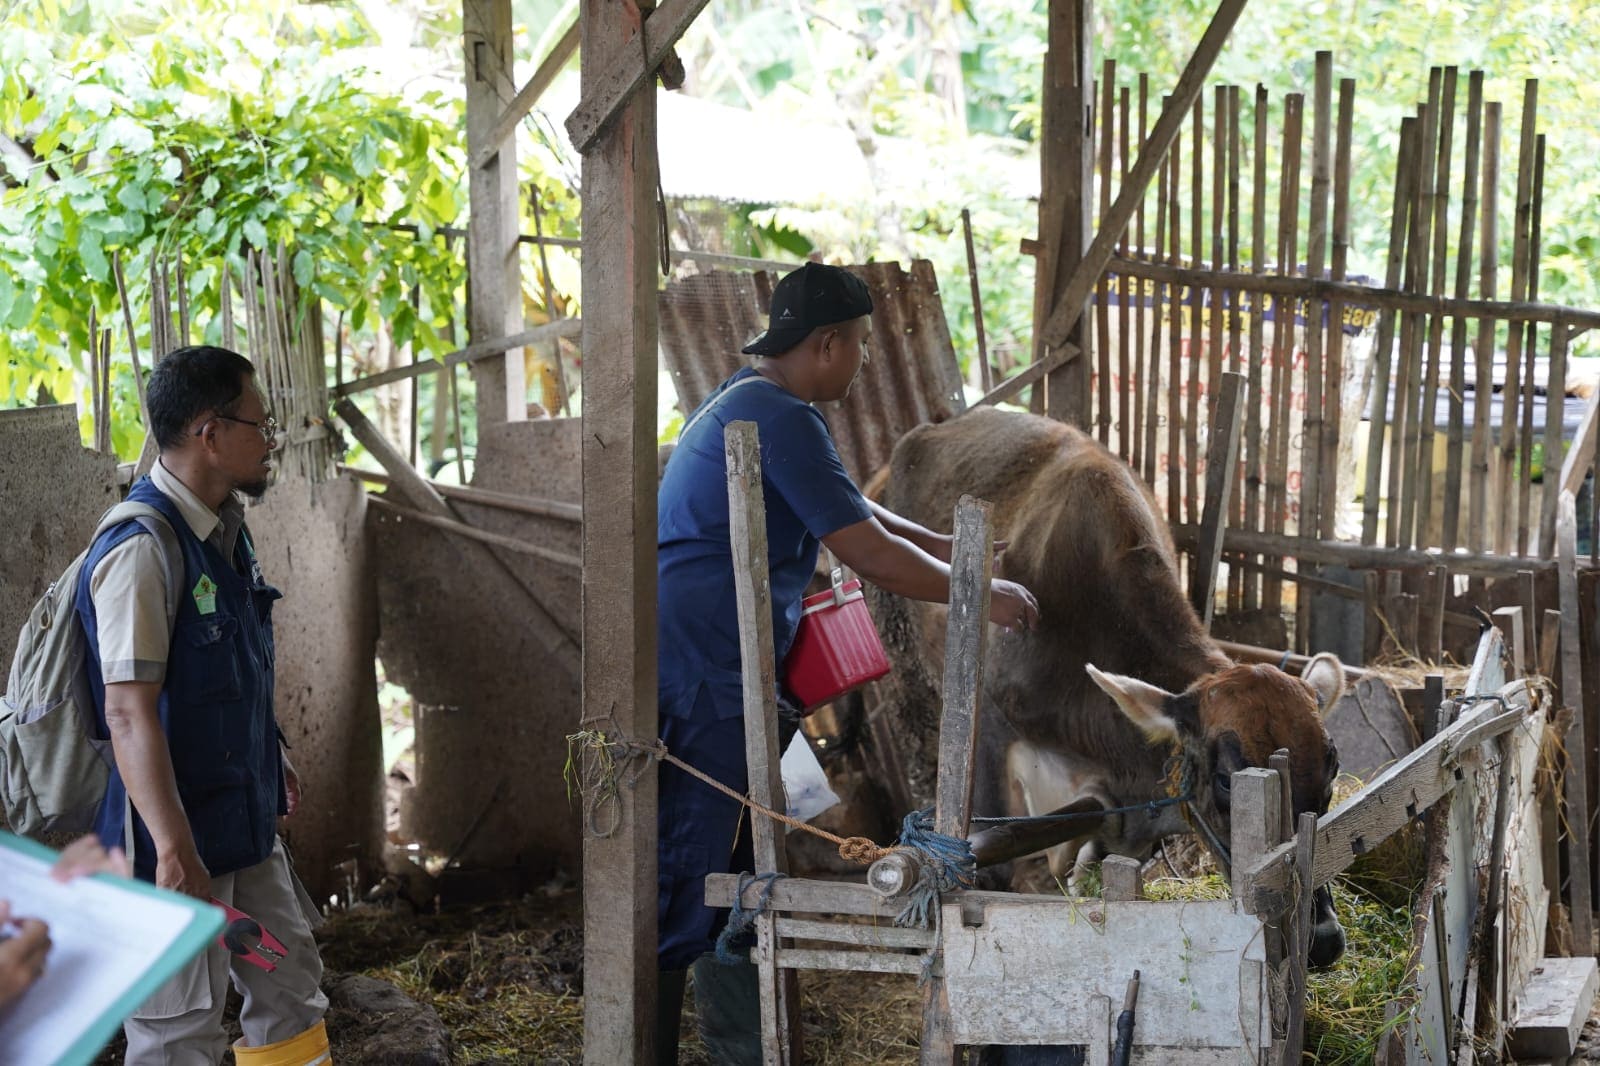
x=155 y=523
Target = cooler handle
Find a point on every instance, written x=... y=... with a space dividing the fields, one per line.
x=836 y=575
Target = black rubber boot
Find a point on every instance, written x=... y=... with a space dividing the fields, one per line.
x=669 y=1009
x=727 y=1002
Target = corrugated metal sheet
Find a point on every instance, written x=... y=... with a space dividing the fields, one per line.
x=912 y=377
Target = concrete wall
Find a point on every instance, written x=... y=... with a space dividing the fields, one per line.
x=494 y=674
x=52 y=491
x=314 y=546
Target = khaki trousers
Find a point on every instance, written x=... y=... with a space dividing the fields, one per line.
x=181 y=1025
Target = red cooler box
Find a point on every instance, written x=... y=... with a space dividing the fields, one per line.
x=836 y=648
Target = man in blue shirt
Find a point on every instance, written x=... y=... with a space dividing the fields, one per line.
x=813 y=350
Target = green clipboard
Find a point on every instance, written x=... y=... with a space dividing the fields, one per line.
x=204 y=923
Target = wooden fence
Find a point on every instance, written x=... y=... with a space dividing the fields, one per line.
x=1238 y=260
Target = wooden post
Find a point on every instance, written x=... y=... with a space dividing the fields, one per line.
x=620 y=259
x=747 y=532
x=971 y=565
x=1222 y=468
x=494 y=278
x=1299 y=947
x=1510 y=621
x=1121 y=878
x=1257 y=829
x=1577 y=775
x=1066 y=201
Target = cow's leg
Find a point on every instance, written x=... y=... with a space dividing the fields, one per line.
x=1327 y=936
x=1043 y=781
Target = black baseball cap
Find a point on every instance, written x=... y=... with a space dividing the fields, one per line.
x=815 y=295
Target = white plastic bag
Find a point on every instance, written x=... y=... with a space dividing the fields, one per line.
x=805 y=785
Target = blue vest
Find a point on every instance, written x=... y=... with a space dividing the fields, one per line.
x=216 y=701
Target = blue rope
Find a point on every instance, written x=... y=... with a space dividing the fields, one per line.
x=740 y=918
x=947 y=864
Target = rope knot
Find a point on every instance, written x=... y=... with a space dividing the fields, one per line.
x=861 y=850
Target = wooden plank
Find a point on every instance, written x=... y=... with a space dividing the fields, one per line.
x=1188 y=954
x=494 y=267
x=1386 y=299
x=1222 y=464
x=1067 y=154
x=619 y=264
x=408 y=372
x=1362 y=556
x=1578 y=462
x=797 y=895
x=1575 y=781
x=857 y=961
x=1305 y=843
x=1071 y=297
x=552 y=64
x=971 y=565
x=503 y=501
x=611 y=82
x=747 y=533
x=1554 y=1008
x=461 y=529
x=562 y=327
x=1393 y=799
x=966 y=642
x=1510 y=622
x=869 y=936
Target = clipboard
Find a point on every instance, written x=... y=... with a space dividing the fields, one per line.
x=114 y=942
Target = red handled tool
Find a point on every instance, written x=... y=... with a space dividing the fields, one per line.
x=247 y=938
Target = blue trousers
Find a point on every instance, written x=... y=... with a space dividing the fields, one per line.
x=700 y=831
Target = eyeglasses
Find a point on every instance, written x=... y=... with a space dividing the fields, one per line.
x=267 y=427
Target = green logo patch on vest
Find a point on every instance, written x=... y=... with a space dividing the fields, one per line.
x=205 y=595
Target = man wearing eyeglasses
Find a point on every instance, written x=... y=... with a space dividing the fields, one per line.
x=185 y=700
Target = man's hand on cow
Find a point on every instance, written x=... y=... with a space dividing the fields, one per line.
x=1011 y=606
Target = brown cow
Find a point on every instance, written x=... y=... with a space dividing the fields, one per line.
x=1091 y=702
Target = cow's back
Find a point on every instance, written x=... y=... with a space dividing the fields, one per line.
x=1085 y=537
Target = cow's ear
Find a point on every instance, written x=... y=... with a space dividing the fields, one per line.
x=1144 y=704
x=1325 y=675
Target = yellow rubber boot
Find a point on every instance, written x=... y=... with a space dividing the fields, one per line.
x=310 y=1048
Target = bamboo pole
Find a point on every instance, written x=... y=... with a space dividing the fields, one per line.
x=1235 y=324
x=1283 y=346
x=1175 y=334
x=1195 y=305
x=1478 y=532
x=550 y=309
x=1408 y=379
x=1314 y=422
x=1428 y=401
x=1159 y=301
x=1254 y=466
x=1451 y=533
x=1130 y=383
x=1554 y=410
x=1142 y=371
x=985 y=378
x=1218 y=299
x=1521 y=235
x=1103 y=419
x=1333 y=398
x=1531 y=353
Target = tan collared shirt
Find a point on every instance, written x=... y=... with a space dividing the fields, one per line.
x=129 y=587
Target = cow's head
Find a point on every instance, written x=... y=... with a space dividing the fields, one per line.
x=1236 y=718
